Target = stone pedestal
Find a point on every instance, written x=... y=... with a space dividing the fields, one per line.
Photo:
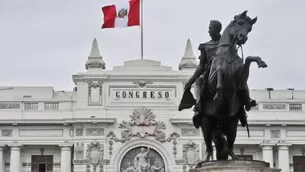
x=234 y=166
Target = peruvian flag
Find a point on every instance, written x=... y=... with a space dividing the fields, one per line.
x=122 y=14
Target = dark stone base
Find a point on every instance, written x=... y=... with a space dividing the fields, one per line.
x=234 y=166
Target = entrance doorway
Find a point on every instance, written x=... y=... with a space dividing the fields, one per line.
x=42 y=163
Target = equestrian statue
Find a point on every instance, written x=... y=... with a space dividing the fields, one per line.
x=222 y=78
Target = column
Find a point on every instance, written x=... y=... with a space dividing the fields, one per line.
x=1 y=159
x=65 y=159
x=283 y=150
x=267 y=150
x=15 y=159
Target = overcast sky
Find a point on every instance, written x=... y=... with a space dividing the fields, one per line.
x=44 y=42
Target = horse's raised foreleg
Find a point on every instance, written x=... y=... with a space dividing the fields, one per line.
x=246 y=68
x=207 y=134
x=231 y=136
x=244 y=90
x=219 y=86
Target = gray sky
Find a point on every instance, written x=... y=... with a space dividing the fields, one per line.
x=45 y=42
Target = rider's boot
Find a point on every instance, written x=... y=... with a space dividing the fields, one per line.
x=249 y=103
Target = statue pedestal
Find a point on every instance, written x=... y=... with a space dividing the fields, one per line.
x=234 y=166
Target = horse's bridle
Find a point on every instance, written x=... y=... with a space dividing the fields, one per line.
x=229 y=45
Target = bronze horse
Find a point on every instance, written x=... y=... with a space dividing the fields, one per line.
x=222 y=105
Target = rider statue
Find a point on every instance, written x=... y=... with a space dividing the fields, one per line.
x=201 y=73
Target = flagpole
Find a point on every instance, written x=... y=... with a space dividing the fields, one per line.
x=141 y=8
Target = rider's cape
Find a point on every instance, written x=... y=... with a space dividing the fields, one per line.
x=187 y=100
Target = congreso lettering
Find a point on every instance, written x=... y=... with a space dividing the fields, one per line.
x=142 y=94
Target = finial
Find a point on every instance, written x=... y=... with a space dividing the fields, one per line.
x=94 y=50
x=189 y=59
x=95 y=60
x=189 y=50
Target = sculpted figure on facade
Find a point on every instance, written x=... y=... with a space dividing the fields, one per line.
x=141 y=162
x=79 y=151
x=130 y=168
x=157 y=167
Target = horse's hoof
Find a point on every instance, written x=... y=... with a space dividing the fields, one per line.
x=233 y=156
x=262 y=64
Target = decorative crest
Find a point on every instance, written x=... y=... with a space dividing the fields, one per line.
x=142 y=83
x=142 y=117
x=122 y=13
x=95 y=154
x=134 y=128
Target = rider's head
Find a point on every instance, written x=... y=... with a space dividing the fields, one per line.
x=214 y=29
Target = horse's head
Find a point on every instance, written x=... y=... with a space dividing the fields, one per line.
x=241 y=26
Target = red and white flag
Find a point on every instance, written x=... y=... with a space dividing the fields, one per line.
x=122 y=14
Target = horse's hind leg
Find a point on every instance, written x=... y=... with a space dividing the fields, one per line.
x=231 y=136
x=221 y=144
x=207 y=134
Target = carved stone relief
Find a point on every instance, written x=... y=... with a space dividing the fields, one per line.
x=79 y=132
x=272 y=106
x=94 y=131
x=79 y=150
x=275 y=133
x=142 y=159
x=142 y=117
x=95 y=156
x=190 y=156
x=142 y=125
x=95 y=93
x=189 y=132
x=7 y=133
x=9 y=105
x=142 y=83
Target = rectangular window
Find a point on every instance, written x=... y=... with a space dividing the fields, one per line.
x=295 y=107
x=51 y=105
x=30 y=106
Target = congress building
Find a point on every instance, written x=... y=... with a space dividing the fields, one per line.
x=126 y=119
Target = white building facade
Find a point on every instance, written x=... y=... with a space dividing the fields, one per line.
x=126 y=119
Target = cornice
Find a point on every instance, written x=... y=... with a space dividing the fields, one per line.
x=64 y=121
